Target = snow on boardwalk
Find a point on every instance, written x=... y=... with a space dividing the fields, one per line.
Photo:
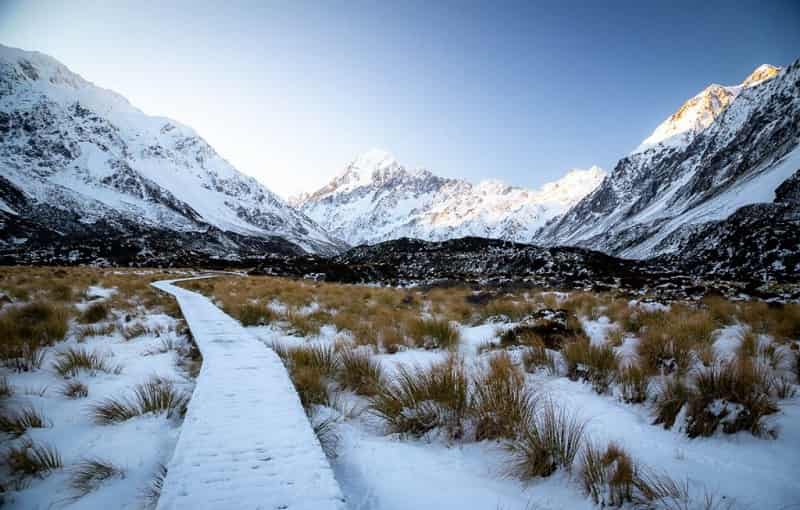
x=246 y=442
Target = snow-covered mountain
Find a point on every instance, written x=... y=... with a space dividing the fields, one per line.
x=375 y=198
x=726 y=148
x=74 y=155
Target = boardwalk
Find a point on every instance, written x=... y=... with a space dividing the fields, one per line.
x=246 y=442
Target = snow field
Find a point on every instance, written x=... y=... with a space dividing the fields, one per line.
x=138 y=446
x=380 y=471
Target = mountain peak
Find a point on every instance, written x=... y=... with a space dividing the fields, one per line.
x=761 y=73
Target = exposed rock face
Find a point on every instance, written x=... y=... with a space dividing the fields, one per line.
x=701 y=173
x=376 y=199
x=77 y=159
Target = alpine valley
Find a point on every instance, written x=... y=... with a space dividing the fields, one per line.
x=85 y=177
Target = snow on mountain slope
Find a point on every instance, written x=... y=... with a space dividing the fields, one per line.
x=724 y=149
x=69 y=145
x=375 y=199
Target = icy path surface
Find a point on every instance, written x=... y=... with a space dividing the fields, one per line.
x=246 y=442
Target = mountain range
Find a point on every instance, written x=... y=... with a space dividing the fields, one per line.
x=87 y=177
x=376 y=199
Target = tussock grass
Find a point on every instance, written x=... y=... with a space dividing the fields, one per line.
x=15 y=423
x=95 y=330
x=733 y=395
x=781 y=321
x=634 y=384
x=433 y=333
x=550 y=440
x=596 y=364
x=420 y=399
x=90 y=474
x=609 y=475
x=359 y=372
x=70 y=362
x=94 y=313
x=538 y=357
x=75 y=389
x=27 y=331
x=155 y=396
x=152 y=492
x=307 y=324
x=500 y=402
x=615 y=337
x=674 y=394
x=328 y=437
x=253 y=314
x=31 y=459
x=670 y=337
x=318 y=357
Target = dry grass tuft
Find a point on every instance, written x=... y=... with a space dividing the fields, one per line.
x=500 y=403
x=549 y=440
x=609 y=476
x=75 y=389
x=31 y=459
x=634 y=384
x=325 y=430
x=538 y=357
x=596 y=364
x=433 y=333
x=669 y=402
x=155 y=396
x=71 y=361
x=26 y=332
x=152 y=492
x=89 y=474
x=420 y=399
x=94 y=313
x=95 y=330
x=359 y=372
x=252 y=314
x=734 y=395
x=17 y=422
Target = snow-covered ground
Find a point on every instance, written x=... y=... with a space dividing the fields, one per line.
x=246 y=441
x=377 y=470
x=139 y=446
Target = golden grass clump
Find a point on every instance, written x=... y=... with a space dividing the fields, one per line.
x=15 y=423
x=71 y=361
x=732 y=395
x=421 y=399
x=433 y=333
x=94 y=313
x=597 y=364
x=30 y=459
x=75 y=389
x=500 y=402
x=550 y=439
x=359 y=372
x=634 y=383
x=539 y=357
x=154 y=396
x=89 y=474
x=27 y=330
x=252 y=314
x=609 y=475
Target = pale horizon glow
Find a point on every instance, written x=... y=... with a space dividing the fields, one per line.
x=290 y=92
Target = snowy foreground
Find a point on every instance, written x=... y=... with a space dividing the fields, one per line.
x=245 y=442
x=386 y=472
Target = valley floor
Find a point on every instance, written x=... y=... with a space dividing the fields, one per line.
x=346 y=347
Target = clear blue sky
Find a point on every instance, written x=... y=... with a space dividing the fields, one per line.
x=291 y=91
